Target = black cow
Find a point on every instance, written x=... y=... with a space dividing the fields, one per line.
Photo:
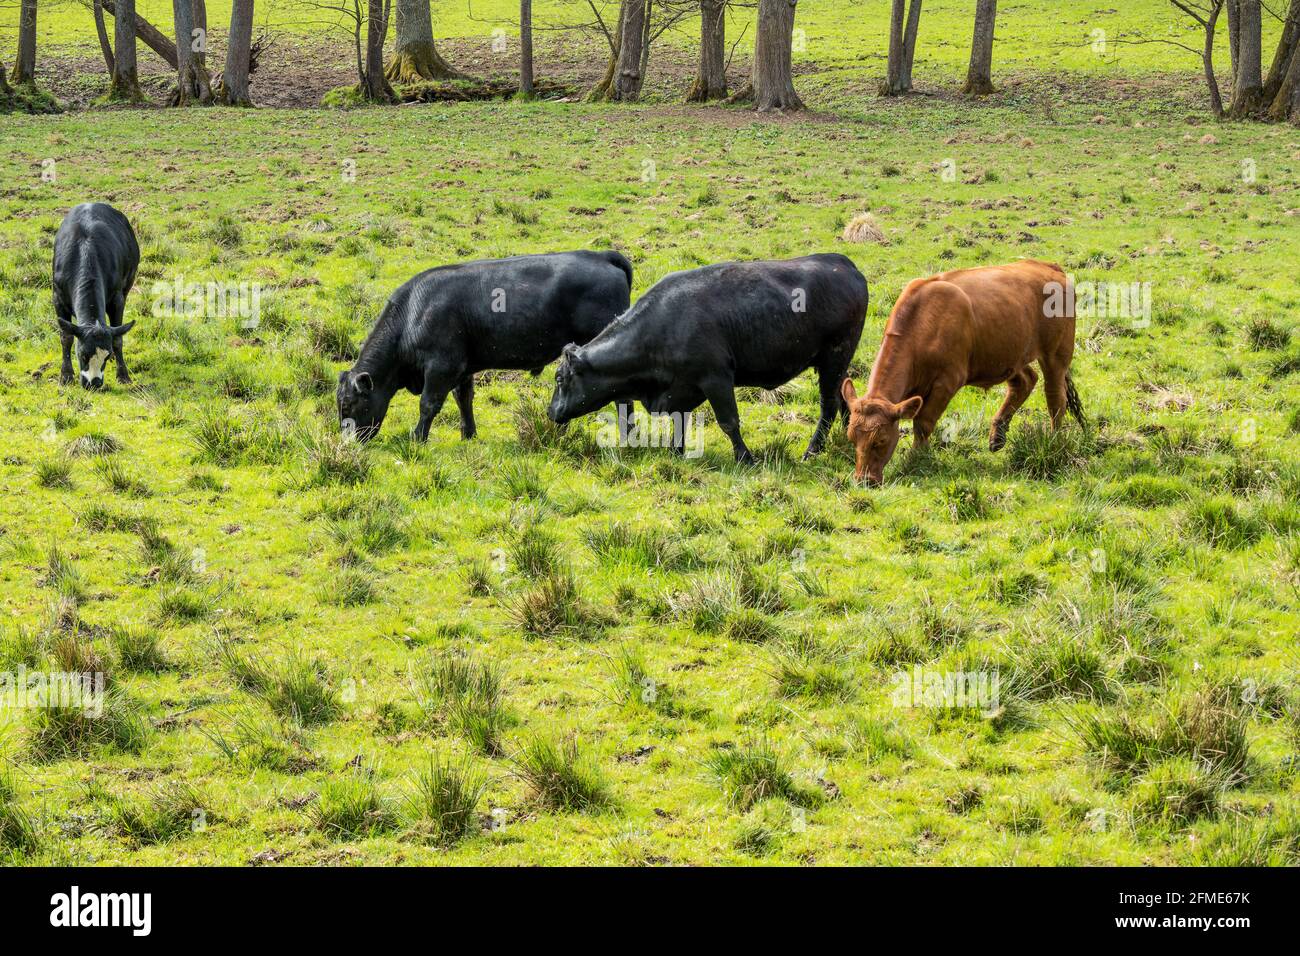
x=697 y=335
x=96 y=258
x=444 y=325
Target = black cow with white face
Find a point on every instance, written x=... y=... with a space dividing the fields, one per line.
x=96 y=258
x=447 y=323
x=695 y=336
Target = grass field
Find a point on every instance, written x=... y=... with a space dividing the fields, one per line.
x=530 y=649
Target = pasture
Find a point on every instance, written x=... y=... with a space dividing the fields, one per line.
x=533 y=649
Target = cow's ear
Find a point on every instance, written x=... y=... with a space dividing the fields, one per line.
x=849 y=393
x=573 y=355
x=121 y=330
x=70 y=328
x=363 y=381
x=909 y=408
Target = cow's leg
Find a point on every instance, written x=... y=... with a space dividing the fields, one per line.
x=437 y=383
x=721 y=394
x=832 y=404
x=465 y=402
x=1019 y=386
x=1054 y=388
x=65 y=370
x=932 y=409
x=116 y=309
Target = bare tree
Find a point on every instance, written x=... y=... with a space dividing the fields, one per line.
x=25 y=64
x=145 y=31
x=640 y=24
x=772 y=78
x=526 y=47
x=979 y=78
x=629 y=76
x=1282 y=86
x=375 y=87
x=101 y=31
x=239 y=55
x=126 y=81
x=192 y=83
x=711 y=77
x=415 y=57
x=1248 y=84
x=904 y=23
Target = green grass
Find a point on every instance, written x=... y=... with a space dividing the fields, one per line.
x=671 y=611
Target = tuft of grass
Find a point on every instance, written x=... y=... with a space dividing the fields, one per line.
x=536 y=553
x=443 y=800
x=555 y=608
x=559 y=777
x=175 y=809
x=93 y=444
x=63 y=729
x=1206 y=725
x=54 y=472
x=1266 y=335
x=138 y=650
x=19 y=831
x=296 y=688
x=468 y=695
x=1177 y=791
x=253 y=741
x=1035 y=451
x=634 y=688
x=747 y=626
x=349 y=587
x=62 y=575
x=749 y=775
x=480 y=580
x=1224 y=524
x=350 y=807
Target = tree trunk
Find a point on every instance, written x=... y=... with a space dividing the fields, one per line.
x=239 y=55
x=101 y=31
x=126 y=80
x=200 y=8
x=4 y=80
x=526 y=47
x=1286 y=47
x=1284 y=104
x=772 y=78
x=376 y=89
x=1248 y=90
x=416 y=59
x=629 y=74
x=979 y=78
x=153 y=38
x=192 y=83
x=1234 y=37
x=601 y=90
x=711 y=77
x=1207 y=62
x=25 y=65
x=904 y=22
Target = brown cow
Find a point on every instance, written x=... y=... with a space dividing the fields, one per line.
x=976 y=327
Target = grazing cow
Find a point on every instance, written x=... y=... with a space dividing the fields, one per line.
x=96 y=258
x=977 y=327
x=697 y=335
x=447 y=323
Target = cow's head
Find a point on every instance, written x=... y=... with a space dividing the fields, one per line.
x=873 y=429
x=361 y=407
x=579 y=389
x=95 y=344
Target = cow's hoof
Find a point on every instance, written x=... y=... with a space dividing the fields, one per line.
x=997 y=438
x=746 y=459
x=124 y=380
x=65 y=379
x=811 y=453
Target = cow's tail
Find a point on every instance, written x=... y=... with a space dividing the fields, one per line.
x=1072 y=401
x=620 y=260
